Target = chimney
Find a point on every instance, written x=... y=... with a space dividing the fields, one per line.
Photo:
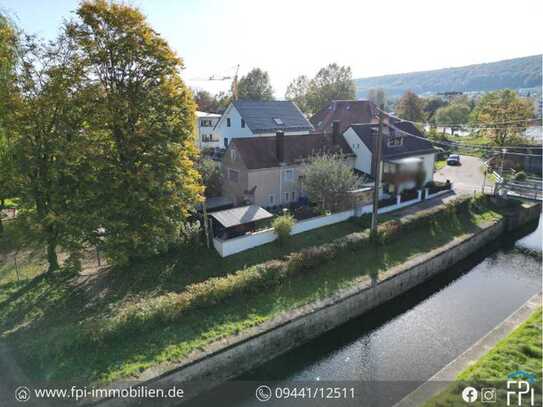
x=335 y=132
x=280 y=145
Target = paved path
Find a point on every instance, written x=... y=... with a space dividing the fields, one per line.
x=467 y=177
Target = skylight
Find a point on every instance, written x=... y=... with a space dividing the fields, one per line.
x=278 y=121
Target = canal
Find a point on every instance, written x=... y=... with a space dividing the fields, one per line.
x=399 y=345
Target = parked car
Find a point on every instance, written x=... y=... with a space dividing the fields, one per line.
x=454 y=159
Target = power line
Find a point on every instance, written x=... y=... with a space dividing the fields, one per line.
x=482 y=126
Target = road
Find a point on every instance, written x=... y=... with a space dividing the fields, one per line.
x=466 y=177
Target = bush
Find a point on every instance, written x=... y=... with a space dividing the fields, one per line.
x=135 y=317
x=191 y=233
x=282 y=225
x=520 y=176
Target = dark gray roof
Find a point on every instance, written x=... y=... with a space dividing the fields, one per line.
x=411 y=145
x=239 y=216
x=261 y=152
x=259 y=116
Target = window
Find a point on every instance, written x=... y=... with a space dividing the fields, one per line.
x=278 y=121
x=293 y=194
x=288 y=175
x=205 y=123
x=233 y=175
x=395 y=141
x=272 y=199
x=233 y=154
x=242 y=123
x=286 y=196
x=226 y=143
x=228 y=122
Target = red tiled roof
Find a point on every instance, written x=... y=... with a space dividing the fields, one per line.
x=347 y=112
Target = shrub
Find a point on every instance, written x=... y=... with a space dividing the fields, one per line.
x=191 y=233
x=520 y=176
x=282 y=225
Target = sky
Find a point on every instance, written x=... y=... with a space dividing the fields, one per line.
x=288 y=38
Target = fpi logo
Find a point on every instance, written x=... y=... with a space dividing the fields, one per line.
x=519 y=384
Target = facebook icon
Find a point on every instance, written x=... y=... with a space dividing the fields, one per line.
x=469 y=395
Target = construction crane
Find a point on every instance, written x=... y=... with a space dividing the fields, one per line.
x=233 y=78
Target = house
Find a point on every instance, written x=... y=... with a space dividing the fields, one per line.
x=205 y=124
x=247 y=118
x=268 y=170
x=406 y=154
x=346 y=112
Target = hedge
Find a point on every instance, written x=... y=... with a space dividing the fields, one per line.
x=169 y=307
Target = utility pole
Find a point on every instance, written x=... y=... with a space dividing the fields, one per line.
x=377 y=173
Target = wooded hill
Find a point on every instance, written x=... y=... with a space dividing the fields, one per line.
x=518 y=73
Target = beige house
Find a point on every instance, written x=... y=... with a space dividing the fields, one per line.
x=268 y=171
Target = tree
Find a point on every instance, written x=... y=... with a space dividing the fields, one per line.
x=431 y=105
x=255 y=86
x=297 y=92
x=327 y=180
x=147 y=183
x=47 y=137
x=8 y=58
x=410 y=107
x=377 y=96
x=211 y=174
x=504 y=114
x=332 y=82
x=205 y=102
x=453 y=116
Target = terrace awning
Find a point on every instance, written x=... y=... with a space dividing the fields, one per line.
x=239 y=216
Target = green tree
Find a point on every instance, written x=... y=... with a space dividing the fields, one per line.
x=48 y=142
x=297 y=92
x=205 y=102
x=332 y=82
x=453 y=116
x=255 y=86
x=431 y=105
x=8 y=59
x=147 y=183
x=504 y=114
x=327 y=180
x=410 y=107
x=211 y=174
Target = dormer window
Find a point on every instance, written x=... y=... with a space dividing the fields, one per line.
x=395 y=141
x=278 y=121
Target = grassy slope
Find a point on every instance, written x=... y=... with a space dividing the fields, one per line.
x=42 y=318
x=521 y=350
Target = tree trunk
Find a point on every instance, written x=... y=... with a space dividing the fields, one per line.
x=52 y=258
x=2 y=203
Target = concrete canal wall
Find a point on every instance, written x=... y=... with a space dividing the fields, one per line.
x=229 y=358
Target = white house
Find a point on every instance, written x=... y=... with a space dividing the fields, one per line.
x=406 y=153
x=205 y=124
x=246 y=118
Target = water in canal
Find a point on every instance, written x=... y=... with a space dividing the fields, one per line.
x=413 y=336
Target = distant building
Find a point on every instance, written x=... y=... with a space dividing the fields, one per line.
x=245 y=118
x=346 y=112
x=205 y=124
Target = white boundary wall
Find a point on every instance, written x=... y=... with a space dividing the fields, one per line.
x=239 y=244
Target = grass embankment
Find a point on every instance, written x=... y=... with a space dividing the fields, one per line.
x=521 y=350
x=117 y=323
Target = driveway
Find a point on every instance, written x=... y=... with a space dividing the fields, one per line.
x=467 y=177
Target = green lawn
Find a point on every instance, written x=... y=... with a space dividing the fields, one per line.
x=49 y=320
x=521 y=350
x=440 y=164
